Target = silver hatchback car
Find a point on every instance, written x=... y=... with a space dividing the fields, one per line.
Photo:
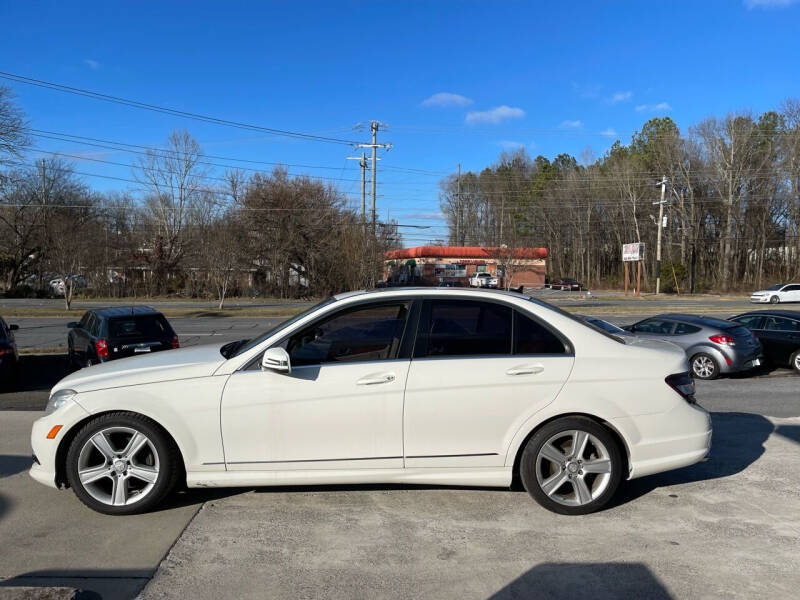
x=713 y=346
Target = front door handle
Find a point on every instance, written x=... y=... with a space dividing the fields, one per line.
x=525 y=370
x=376 y=378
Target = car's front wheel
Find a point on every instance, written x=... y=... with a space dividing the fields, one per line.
x=774 y=300
x=794 y=362
x=121 y=464
x=704 y=367
x=572 y=466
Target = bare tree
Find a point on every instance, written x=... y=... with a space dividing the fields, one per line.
x=13 y=136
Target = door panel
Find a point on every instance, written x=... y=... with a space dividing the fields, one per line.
x=463 y=412
x=330 y=416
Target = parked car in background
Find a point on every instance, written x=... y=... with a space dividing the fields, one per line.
x=567 y=284
x=484 y=280
x=780 y=292
x=605 y=325
x=779 y=334
x=9 y=355
x=58 y=285
x=501 y=387
x=105 y=334
x=713 y=346
x=450 y=283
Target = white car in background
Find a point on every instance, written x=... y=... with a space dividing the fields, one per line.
x=781 y=292
x=425 y=386
x=484 y=280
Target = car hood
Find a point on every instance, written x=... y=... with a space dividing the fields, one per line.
x=763 y=292
x=183 y=363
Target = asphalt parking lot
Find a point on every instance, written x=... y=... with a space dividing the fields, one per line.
x=727 y=527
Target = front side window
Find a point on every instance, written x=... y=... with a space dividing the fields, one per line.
x=658 y=326
x=362 y=333
x=781 y=324
x=465 y=327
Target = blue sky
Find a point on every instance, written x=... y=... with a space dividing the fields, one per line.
x=553 y=77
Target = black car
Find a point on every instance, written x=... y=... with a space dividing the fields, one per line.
x=566 y=283
x=9 y=356
x=105 y=334
x=779 y=333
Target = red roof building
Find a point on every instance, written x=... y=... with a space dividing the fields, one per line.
x=431 y=265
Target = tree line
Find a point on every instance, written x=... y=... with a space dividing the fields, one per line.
x=183 y=229
x=732 y=207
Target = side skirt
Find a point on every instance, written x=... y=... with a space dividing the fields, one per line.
x=482 y=477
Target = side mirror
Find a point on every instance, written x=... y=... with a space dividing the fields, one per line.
x=276 y=359
x=72 y=324
x=13 y=327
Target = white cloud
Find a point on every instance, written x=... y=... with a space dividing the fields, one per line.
x=446 y=99
x=620 y=97
x=768 y=3
x=660 y=107
x=495 y=115
x=571 y=124
x=609 y=132
x=92 y=64
x=510 y=144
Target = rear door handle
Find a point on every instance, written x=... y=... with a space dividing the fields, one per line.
x=525 y=370
x=376 y=379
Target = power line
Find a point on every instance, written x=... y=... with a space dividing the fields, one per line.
x=169 y=111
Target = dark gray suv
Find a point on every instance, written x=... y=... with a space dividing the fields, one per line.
x=713 y=346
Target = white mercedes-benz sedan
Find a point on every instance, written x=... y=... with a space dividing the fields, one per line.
x=414 y=386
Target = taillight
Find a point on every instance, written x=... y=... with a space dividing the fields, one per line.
x=723 y=340
x=3 y=351
x=683 y=384
x=175 y=343
x=101 y=348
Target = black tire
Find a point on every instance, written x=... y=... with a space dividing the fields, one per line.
x=794 y=362
x=529 y=464
x=168 y=456
x=774 y=300
x=699 y=364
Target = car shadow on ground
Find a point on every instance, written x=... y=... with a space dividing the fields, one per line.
x=88 y=584
x=573 y=580
x=41 y=371
x=737 y=442
x=11 y=464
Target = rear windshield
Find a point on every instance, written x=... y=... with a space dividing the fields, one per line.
x=145 y=326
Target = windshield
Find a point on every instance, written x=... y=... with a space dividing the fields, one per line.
x=256 y=341
x=775 y=288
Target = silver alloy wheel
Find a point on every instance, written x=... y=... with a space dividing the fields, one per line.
x=797 y=362
x=118 y=466
x=774 y=300
x=573 y=467
x=703 y=367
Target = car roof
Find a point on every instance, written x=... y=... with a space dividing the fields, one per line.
x=793 y=314
x=695 y=319
x=124 y=311
x=426 y=290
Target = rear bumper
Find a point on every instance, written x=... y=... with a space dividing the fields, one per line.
x=663 y=442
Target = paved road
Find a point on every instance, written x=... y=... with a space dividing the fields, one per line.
x=728 y=527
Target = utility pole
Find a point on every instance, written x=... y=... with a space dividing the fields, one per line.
x=663 y=184
x=458 y=205
x=374 y=127
x=362 y=162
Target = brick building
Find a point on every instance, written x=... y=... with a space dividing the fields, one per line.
x=429 y=265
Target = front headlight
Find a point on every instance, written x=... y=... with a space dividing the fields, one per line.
x=59 y=399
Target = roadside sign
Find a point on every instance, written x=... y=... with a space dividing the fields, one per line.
x=632 y=252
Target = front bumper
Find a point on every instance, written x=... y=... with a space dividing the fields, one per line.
x=45 y=449
x=759 y=299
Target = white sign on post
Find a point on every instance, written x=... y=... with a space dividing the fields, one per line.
x=632 y=252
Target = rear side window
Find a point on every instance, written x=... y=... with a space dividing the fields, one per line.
x=466 y=328
x=146 y=326
x=684 y=328
x=749 y=321
x=532 y=338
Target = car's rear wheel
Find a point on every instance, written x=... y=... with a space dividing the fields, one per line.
x=122 y=464
x=774 y=300
x=704 y=366
x=794 y=362
x=572 y=466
